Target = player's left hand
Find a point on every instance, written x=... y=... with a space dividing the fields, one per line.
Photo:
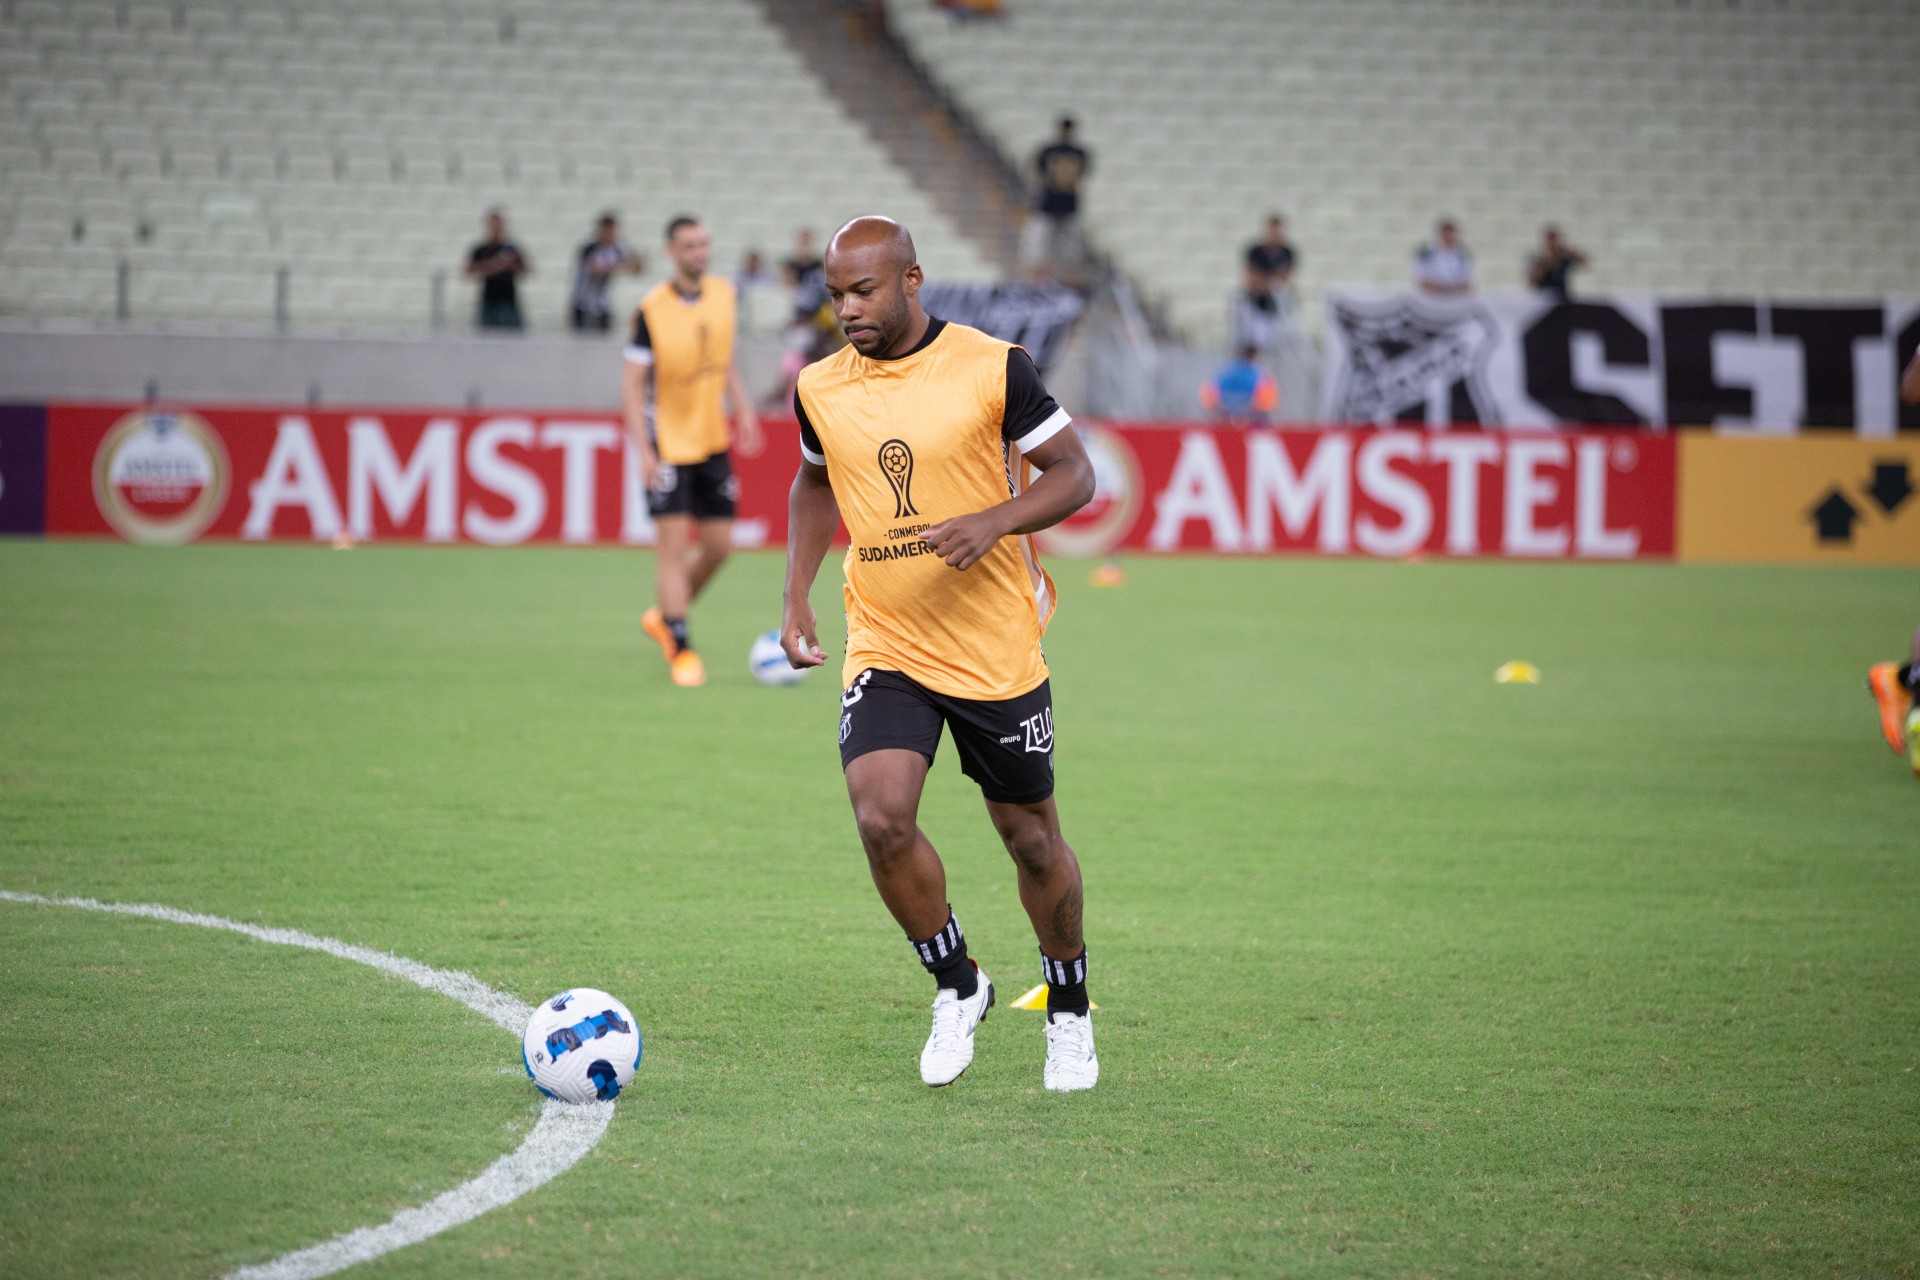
x=749 y=436
x=962 y=540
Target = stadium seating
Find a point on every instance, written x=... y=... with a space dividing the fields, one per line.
x=356 y=143
x=1748 y=146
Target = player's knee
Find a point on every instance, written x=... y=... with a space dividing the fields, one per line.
x=1034 y=848
x=885 y=831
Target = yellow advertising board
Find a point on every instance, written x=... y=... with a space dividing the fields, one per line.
x=1808 y=499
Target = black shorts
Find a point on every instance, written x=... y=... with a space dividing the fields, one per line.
x=704 y=490
x=1005 y=747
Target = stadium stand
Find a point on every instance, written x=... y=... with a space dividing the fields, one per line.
x=1752 y=146
x=356 y=144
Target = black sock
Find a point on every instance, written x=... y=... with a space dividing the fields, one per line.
x=677 y=627
x=1066 y=983
x=945 y=957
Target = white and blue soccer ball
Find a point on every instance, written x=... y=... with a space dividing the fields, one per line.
x=581 y=1046
x=768 y=661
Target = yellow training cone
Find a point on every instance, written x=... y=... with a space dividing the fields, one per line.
x=1517 y=673
x=1036 y=999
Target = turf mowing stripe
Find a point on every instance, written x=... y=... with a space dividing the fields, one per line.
x=563 y=1134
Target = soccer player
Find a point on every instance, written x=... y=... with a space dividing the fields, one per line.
x=1895 y=687
x=923 y=436
x=679 y=365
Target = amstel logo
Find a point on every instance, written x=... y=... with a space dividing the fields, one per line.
x=1099 y=526
x=160 y=476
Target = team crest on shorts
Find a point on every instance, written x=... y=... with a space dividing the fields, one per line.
x=846 y=725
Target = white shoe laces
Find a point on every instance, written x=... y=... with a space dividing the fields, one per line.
x=1070 y=1038
x=949 y=1022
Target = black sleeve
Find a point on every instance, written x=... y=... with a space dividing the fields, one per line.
x=809 y=438
x=641 y=338
x=1028 y=404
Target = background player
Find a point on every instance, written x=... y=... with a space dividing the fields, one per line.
x=920 y=434
x=1896 y=687
x=679 y=365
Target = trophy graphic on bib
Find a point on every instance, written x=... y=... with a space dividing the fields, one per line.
x=896 y=463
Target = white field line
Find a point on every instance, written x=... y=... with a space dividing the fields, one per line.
x=562 y=1135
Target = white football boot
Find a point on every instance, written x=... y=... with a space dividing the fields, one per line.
x=949 y=1048
x=1070 y=1061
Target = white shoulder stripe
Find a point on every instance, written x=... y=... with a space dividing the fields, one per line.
x=1044 y=432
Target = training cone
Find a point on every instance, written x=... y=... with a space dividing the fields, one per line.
x=1517 y=673
x=1036 y=1000
x=1108 y=575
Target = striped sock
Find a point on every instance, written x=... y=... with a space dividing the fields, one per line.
x=945 y=957
x=1066 y=983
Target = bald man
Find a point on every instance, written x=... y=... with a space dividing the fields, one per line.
x=943 y=453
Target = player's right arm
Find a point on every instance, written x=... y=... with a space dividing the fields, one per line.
x=636 y=388
x=813 y=513
x=1910 y=381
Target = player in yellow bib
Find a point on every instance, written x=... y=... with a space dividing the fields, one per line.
x=679 y=365
x=943 y=452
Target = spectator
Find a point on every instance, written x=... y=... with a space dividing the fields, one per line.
x=498 y=264
x=1051 y=243
x=1443 y=267
x=803 y=265
x=1242 y=392
x=1253 y=318
x=601 y=258
x=1272 y=255
x=753 y=273
x=1547 y=270
x=813 y=330
x=750 y=281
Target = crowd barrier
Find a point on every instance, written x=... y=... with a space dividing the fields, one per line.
x=175 y=474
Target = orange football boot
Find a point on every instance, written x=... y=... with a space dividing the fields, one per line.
x=687 y=670
x=1883 y=681
x=654 y=623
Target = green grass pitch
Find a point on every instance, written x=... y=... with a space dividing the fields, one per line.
x=1401 y=972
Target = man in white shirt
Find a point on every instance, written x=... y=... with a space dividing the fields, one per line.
x=1442 y=267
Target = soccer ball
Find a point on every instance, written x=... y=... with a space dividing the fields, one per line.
x=581 y=1046
x=768 y=661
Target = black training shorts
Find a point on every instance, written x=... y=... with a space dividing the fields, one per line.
x=1005 y=747
x=704 y=490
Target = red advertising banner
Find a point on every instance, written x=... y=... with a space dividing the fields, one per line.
x=156 y=474
x=168 y=474
x=1602 y=495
